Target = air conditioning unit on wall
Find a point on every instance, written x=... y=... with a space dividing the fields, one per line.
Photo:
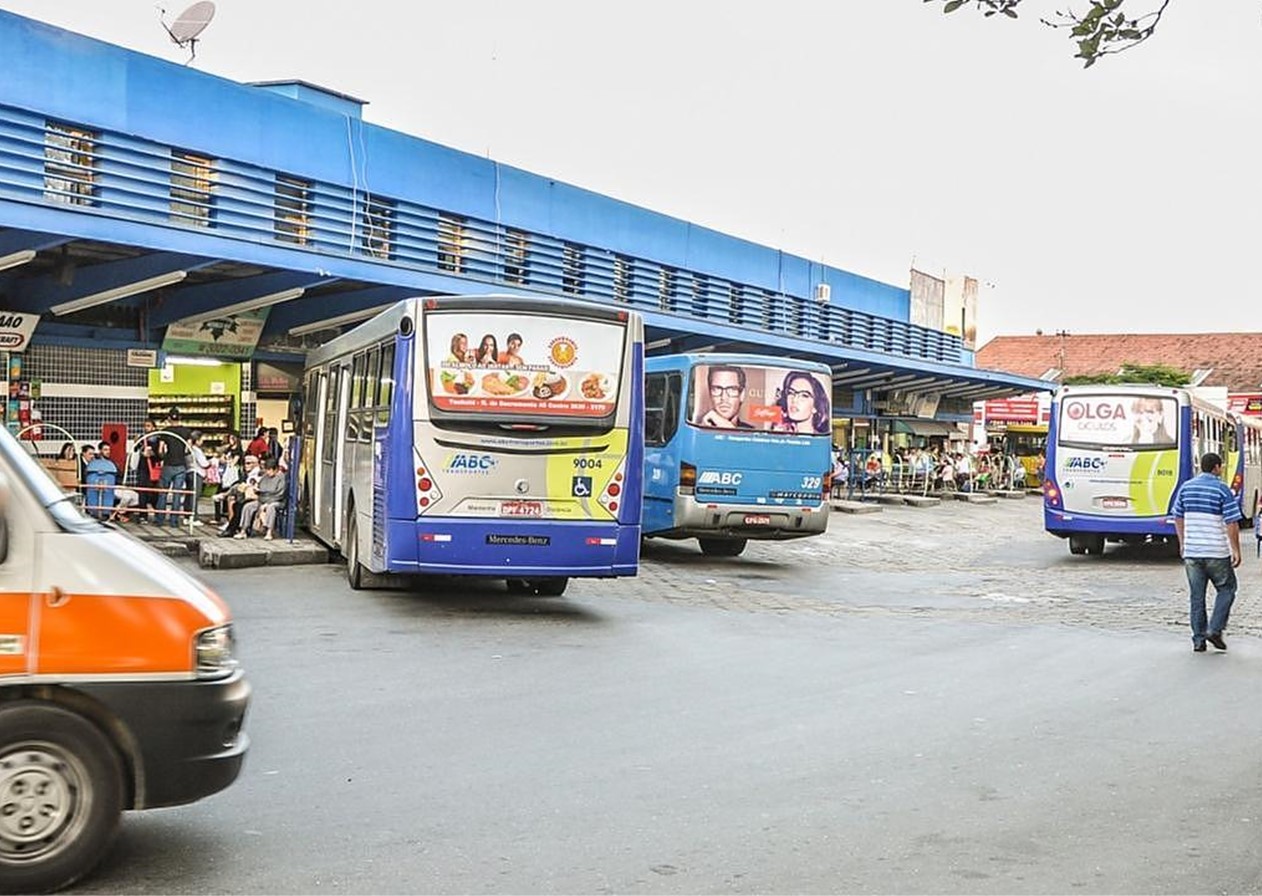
x=823 y=292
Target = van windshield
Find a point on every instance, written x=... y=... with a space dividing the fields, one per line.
x=46 y=491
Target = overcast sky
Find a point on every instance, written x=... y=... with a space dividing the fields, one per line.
x=868 y=134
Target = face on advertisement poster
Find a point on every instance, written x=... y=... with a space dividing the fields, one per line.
x=771 y=399
x=531 y=365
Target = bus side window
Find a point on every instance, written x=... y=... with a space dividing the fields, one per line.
x=674 y=394
x=655 y=409
x=385 y=392
x=330 y=412
x=357 y=397
x=371 y=376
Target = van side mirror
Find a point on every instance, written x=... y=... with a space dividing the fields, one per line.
x=5 y=494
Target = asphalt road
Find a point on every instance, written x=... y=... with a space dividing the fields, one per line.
x=936 y=701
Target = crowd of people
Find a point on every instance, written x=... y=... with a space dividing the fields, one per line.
x=929 y=469
x=168 y=469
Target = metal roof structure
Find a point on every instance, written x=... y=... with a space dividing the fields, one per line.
x=123 y=213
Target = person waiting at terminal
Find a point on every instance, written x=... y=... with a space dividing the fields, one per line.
x=258 y=445
x=259 y=515
x=239 y=494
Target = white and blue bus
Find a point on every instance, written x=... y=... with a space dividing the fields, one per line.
x=736 y=447
x=479 y=435
x=1116 y=455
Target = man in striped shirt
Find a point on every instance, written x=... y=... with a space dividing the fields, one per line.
x=1206 y=518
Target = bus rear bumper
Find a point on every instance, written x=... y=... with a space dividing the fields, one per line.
x=755 y=521
x=513 y=548
x=1063 y=524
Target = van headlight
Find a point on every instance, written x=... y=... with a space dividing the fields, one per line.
x=216 y=652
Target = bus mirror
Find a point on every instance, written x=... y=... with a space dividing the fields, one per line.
x=4 y=518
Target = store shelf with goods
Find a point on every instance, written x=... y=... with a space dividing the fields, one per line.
x=214 y=415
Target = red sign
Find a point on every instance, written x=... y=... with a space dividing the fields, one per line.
x=1012 y=410
x=1247 y=403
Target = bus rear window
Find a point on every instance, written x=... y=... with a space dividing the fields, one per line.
x=770 y=399
x=500 y=366
x=1131 y=421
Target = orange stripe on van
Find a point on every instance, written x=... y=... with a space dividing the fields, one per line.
x=112 y=634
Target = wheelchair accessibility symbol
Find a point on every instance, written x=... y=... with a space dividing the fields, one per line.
x=581 y=487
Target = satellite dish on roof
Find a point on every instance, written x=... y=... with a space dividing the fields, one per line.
x=190 y=24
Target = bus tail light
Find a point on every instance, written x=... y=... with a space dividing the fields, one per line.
x=609 y=496
x=1051 y=493
x=687 y=478
x=828 y=485
x=427 y=491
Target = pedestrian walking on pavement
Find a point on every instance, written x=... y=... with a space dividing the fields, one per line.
x=1206 y=519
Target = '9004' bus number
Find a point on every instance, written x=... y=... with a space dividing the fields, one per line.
x=588 y=463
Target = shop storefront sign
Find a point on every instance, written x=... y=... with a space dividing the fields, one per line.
x=16 y=329
x=142 y=357
x=227 y=337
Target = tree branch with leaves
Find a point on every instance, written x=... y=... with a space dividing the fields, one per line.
x=1103 y=30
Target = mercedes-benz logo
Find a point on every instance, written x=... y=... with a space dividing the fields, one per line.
x=522 y=486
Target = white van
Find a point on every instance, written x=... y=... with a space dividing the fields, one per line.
x=119 y=688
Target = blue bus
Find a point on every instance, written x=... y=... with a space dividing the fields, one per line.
x=736 y=447
x=479 y=435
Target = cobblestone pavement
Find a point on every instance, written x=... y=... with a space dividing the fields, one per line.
x=979 y=562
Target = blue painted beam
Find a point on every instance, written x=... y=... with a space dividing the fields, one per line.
x=189 y=300
x=38 y=294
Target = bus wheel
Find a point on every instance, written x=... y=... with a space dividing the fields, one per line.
x=553 y=586
x=1077 y=544
x=61 y=793
x=1095 y=545
x=721 y=547
x=354 y=569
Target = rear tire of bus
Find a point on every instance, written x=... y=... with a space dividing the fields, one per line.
x=61 y=795
x=354 y=569
x=722 y=547
x=552 y=586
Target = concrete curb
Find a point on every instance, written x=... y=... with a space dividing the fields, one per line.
x=855 y=507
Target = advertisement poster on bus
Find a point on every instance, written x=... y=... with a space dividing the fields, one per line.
x=767 y=399
x=1144 y=420
x=521 y=364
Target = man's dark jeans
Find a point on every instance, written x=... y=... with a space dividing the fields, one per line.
x=1201 y=571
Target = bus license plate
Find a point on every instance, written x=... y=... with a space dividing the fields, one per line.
x=1116 y=503
x=757 y=519
x=521 y=508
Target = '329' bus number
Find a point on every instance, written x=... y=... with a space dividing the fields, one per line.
x=588 y=463
x=812 y=481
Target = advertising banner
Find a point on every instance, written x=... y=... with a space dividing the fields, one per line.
x=1118 y=420
x=16 y=329
x=771 y=399
x=532 y=365
x=224 y=337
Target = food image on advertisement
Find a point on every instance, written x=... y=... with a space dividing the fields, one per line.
x=549 y=385
x=456 y=382
x=595 y=386
x=505 y=383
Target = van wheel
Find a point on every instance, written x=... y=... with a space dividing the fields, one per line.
x=722 y=547
x=354 y=569
x=61 y=793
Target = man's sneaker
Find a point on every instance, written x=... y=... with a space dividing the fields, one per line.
x=1199 y=648
x=1216 y=638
